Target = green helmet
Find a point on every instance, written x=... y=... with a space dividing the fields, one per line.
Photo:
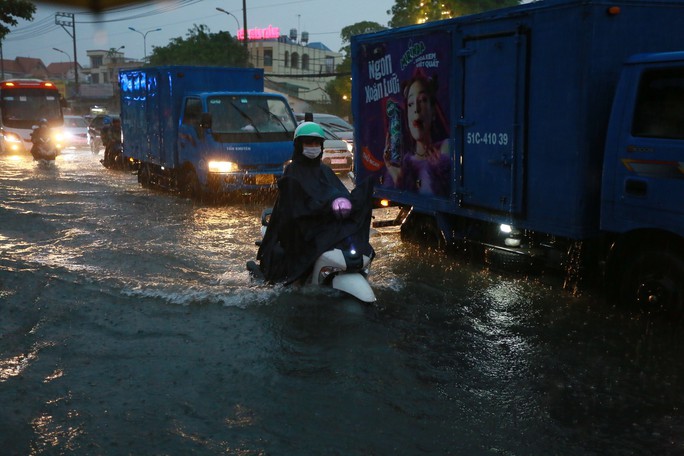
x=311 y=129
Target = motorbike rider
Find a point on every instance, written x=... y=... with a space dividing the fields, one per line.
x=111 y=137
x=313 y=213
x=42 y=148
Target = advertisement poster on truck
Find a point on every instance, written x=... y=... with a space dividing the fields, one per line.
x=405 y=114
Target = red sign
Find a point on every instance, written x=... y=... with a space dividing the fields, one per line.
x=256 y=33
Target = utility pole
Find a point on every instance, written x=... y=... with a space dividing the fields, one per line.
x=244 y=23
x=66 y=22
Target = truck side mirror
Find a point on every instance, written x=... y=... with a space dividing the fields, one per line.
x=205 y=120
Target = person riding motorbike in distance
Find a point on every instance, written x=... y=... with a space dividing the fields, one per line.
x=111 y=136
x=43 y=147
x=313 y=213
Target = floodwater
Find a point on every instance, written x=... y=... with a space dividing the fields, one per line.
x=128 y=325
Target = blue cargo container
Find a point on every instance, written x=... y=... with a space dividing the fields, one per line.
x=507 y=138
x=204 y=130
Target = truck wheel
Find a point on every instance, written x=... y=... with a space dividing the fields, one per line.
x=654 y=280
x=190 y=186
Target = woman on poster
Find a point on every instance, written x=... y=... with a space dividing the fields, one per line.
x=425 y=165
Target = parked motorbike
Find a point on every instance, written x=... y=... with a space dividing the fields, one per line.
x=341 y=268
x=44 y=148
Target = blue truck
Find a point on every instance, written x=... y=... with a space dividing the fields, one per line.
x=204 y=131
x=550 y=133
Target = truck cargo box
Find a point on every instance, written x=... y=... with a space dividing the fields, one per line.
x=151 y=103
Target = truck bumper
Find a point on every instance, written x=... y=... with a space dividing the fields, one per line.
x=234 y=182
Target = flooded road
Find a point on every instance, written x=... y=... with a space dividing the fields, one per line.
x=128 y=325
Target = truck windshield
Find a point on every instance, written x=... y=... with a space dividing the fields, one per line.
x=268 y=118
x=660 y=104
x=23 y=108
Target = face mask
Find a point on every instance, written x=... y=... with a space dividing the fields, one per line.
x=311 y=152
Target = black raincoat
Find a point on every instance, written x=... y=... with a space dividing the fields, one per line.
x=303 y=225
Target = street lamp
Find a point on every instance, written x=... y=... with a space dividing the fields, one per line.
x=144 y=35
x=68 y=56
x=244 y=21
x=59 y=50
x=113 y=53
x=230 y=14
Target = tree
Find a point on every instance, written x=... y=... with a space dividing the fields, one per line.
x=200 y=47
x=357 y=29
x=409 y=12
x=10 y=10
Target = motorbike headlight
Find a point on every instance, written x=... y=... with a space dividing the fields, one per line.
x=222 y=167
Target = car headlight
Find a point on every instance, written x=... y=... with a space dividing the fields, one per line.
x=12 y=137
x=222 y=167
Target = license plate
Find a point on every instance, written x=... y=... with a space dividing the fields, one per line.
x=338 y=161
x=264 y=179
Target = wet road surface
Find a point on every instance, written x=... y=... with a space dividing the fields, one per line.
x=128 y=325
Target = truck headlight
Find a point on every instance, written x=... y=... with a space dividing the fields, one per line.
x=222 y=167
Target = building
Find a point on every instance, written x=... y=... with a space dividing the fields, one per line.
x=104 y=65
x=102 y=76
x=63 y=71
x=23 y=67
x=296 y=68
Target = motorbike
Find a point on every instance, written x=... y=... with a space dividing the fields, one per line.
x=44 y=148
x=113 y=156
x=341 y=268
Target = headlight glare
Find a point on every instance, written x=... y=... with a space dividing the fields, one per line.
x=12 y=137
x=222 y=167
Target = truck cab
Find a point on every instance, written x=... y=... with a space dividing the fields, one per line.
x=234 y=140
x=643 y=174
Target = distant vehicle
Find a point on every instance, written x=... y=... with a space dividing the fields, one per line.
x=205 y=132
x=94 y=129
x=23 y=103
x=75 y=132
x=336 y=153
x=340 y=127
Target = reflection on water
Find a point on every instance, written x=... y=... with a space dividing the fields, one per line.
x=129 y=325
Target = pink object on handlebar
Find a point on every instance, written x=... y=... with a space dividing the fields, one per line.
x=341 y=207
